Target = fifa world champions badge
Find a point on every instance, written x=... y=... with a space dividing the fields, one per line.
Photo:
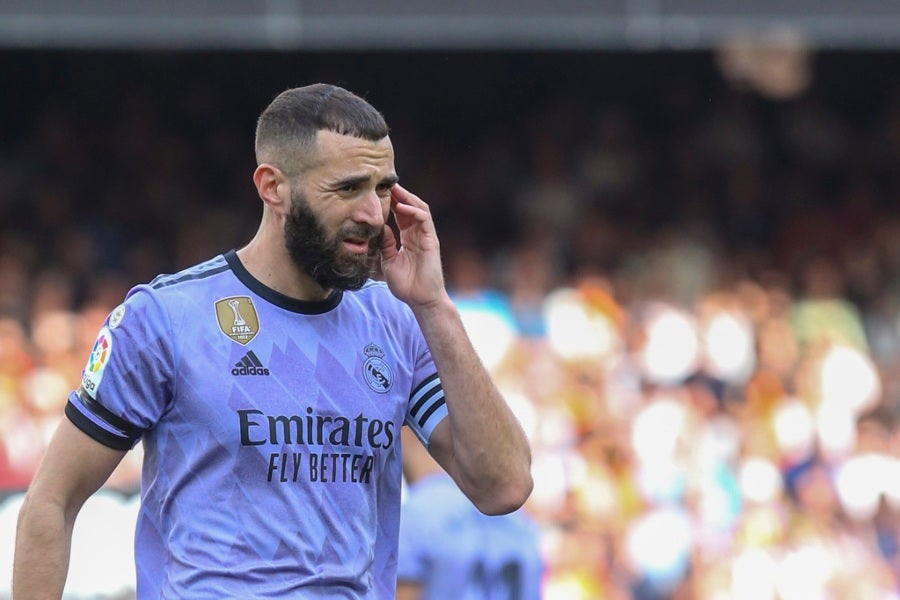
x=237 y=318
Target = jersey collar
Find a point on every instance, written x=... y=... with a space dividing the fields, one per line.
x=305 y=307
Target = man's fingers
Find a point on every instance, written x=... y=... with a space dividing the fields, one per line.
x=402 y=196
x=414 y=212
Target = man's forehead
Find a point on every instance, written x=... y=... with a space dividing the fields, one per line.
x=340 y=156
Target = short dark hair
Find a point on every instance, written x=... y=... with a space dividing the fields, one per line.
x=287 y=128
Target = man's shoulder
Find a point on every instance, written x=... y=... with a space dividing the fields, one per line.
x=182 y=288
x=375 y=293
x=196 y=275
x=375 y=287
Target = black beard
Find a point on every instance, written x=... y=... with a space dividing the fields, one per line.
x=323 y=258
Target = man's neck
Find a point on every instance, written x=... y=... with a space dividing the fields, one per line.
x=273 y=267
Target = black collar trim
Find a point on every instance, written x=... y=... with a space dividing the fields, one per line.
x=305 y=307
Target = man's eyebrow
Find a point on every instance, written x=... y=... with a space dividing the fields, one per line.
x=350 y=181
x=356 y=180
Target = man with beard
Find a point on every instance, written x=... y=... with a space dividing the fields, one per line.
x=269 y=385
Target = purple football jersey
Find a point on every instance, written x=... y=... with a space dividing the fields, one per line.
x=270 y=429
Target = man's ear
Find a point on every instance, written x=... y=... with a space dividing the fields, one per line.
x=273 y=187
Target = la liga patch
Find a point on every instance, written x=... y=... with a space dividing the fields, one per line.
x=97 y=361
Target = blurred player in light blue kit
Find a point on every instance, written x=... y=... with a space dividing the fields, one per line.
x=451 y=551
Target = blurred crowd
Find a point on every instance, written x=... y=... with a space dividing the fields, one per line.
x=688 y=291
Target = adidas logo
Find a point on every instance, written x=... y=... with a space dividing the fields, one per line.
x=249 y=365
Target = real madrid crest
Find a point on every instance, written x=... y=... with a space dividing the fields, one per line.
x=377 y=372
x=237 y=318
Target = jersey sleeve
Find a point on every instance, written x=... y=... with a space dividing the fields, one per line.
x=426 y=406
x=125 y=385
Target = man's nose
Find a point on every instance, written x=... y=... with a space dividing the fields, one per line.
x=369 y=209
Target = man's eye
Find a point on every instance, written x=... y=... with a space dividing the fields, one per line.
x=349 y=189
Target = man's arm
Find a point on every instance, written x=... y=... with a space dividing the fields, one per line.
x=73 y=468
x=480 y=444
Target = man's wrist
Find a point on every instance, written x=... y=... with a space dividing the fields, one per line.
x=439 y=308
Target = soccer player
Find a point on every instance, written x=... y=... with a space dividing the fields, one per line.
x=269 y=386
x=450 y=550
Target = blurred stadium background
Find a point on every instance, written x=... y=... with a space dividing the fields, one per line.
x=672 y=226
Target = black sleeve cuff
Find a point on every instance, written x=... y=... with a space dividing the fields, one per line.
x=96 y=432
